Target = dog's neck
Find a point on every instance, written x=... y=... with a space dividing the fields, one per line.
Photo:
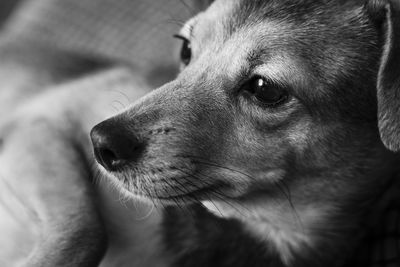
x=287 y=227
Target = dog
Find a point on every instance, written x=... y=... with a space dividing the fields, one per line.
x=275 y=140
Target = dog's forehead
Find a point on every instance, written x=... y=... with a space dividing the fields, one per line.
x=296 y=10
x=225 y=17
x=331 y=37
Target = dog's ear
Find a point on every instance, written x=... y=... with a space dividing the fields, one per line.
x=386 y=13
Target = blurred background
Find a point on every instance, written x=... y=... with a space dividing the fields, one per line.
x=45 y=43
x=6 y=7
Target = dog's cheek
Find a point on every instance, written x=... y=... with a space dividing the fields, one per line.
x=298 y=135
x=261 y=155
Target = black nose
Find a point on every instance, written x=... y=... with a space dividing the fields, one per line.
x=115 y=145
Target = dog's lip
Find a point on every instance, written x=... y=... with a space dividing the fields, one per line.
x=194 y=195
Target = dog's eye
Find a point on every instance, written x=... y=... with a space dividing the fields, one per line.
x=267 y=93
x=186 y=50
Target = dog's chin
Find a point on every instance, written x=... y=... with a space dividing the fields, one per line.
x=172 y=195
x=170 y=187
x=174 y=191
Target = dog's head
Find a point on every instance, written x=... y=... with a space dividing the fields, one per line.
x=272 y=94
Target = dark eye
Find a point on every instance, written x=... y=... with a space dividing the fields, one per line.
x=267 y=93
x=186 y=50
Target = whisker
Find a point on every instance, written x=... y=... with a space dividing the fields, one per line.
x=176 y=22
x=175 y=200
x=31 y=213
x=191 y=10
x=214 y=164
x=217 y=193
x=119 y=103
x=152 y=200
x=289 y=198
x=148 y=214
x=123 y=94
x=116 y=109
x=281 y=188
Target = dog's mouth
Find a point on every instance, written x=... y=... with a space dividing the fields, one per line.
x=171 y=188
x=200 y=193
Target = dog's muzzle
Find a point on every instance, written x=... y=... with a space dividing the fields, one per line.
x=115 y=146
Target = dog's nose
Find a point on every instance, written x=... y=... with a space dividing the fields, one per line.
x=115 y=146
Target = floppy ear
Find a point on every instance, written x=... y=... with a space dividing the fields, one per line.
x=387 y=14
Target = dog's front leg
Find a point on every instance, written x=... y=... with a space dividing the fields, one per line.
x=44 y=171
x=45 y=159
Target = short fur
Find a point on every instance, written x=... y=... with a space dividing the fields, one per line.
x=292 y=184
